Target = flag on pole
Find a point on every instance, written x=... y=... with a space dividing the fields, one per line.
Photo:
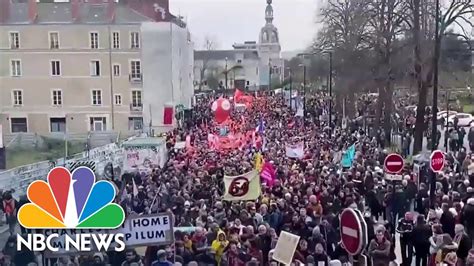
x=348 y=156
x=242 y=187
x=261 y=126
x=135 y=189
x=258 y=161
x=268 y=174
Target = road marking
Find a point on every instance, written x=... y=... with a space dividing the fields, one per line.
x=349 y=231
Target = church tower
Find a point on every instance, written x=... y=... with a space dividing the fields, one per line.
x=269 y=49
x=269 y=40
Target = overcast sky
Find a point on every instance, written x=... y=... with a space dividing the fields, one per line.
x=230 y=21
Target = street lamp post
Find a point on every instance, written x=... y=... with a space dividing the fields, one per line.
x=225 y=72
x=434 y=110
x=304 y=89
x=269 y=74
x=330 y=88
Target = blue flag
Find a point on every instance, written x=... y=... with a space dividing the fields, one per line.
x=348 y=156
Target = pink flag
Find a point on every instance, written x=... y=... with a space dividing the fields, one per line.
x=268 y=174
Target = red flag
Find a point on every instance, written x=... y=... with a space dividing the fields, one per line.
x=237 y=95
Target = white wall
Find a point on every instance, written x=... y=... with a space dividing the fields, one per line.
x=167 y=58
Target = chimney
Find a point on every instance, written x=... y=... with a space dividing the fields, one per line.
x=111 y=7
x=32 y=11
x=75 y=10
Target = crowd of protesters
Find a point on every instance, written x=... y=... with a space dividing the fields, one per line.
x=306 y=198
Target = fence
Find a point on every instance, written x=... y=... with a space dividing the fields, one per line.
x=107 y=160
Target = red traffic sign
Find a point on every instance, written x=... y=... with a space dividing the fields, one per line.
x=353 y=230
x=393 y=163
x=437 y=161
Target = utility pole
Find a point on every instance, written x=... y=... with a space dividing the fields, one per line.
x=269 y=74
x=434 y=111
x=291 y=89
x=304 y=90
x=330 y=88
x=226 y=73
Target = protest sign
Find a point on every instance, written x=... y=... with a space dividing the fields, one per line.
x=242 y=187
x=144 y=230
x=285 y=247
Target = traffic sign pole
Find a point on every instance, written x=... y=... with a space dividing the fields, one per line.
x=353 y=230
x=436 y=166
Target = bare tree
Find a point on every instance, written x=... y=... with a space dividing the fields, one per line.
x=387 y=25
x=422 y=13
x=346 y=32
x=209 y=44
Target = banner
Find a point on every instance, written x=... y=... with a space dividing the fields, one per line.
x=295 y=150
x=144 y=155
x=348 y=156
x=268 y=174
x=242 y=187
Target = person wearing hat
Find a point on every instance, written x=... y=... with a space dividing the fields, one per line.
x=162 y=260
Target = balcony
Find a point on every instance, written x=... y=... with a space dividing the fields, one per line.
x=135 y=78
x=136 y=108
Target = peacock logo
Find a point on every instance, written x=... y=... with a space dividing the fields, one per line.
x=71 y=201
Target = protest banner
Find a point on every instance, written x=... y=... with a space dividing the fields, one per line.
x=144 y=154
x=295 y=150
x=285 y=247
x=145 y=230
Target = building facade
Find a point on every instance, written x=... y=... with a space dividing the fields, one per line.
x=250 y=65
x=74 y=67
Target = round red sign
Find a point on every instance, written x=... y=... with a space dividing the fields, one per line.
x=393 y=163
x=352 y=231
x=437 y=161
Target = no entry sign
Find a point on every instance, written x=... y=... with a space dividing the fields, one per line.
x=393 y=163
x=437 y=161
x=353 y=231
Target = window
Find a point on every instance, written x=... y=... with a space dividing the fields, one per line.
x=94 y=40
x=19 y=125
x=116 y=69
x=135 y=67
x=57 y=97
x=135 y=123
x=239 y=61
x=96 y=97
x=15 y=68
x=55 y=68
x=95 y=68
x=14 y=40
x=248 y=82
x=54 y=40
x=118 y=99
x=17 y=97
x=115 y=40
x=134 y=40
x=57 y=124
x=98 y=123
x=136 y=98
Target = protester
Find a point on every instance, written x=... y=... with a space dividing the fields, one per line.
x=302 y=193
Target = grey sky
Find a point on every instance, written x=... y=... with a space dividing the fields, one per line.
x=230 y=21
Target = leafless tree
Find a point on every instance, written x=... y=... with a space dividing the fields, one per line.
x=421 y=21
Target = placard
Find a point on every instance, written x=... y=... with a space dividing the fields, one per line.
x=285 y=247
x=145 y=230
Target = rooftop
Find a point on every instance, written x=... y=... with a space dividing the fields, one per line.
x=61 y=13
x=222 y=54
